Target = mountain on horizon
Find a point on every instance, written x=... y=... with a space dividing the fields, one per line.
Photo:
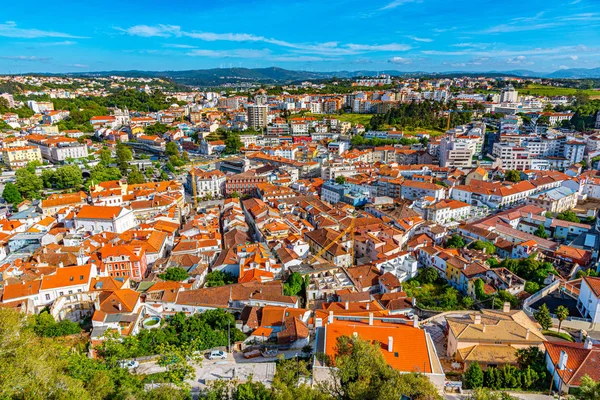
x=276 y=75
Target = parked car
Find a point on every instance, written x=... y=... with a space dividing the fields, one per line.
x=129 y=364
x=217 y=355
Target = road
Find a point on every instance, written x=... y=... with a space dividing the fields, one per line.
x=522 y=396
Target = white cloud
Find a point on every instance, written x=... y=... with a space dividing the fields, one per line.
x=537 y=22
x=400 y=60
x=10 y=29
x=78 y=65
x=575 y=58
x=511 y=53
x=419 y=39
x=180 y=46
x=325 y=48
x=26 y=58
x=563 y=67
x=153 y=31
x=235 y=53
x=519 y=60
x=396 y=3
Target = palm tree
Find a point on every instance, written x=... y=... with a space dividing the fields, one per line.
x=562 y=313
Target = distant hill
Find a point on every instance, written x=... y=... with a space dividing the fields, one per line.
x=275 y=75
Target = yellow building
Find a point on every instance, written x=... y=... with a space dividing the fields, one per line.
x=18 y=157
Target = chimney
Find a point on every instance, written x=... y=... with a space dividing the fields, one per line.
x=588 y=344
x=562 y=360
x=414 y=301
x=506 y=307
x=371 y=318
x=483 y=328
x=527 y=334
x=478 y=319
x=120 y=306
x=416 y=321
x=347 y=306
x=330 y=318
x=391 y=344
x=368 y=306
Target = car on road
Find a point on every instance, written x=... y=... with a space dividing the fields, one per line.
x=217 y=355
x=129 y=364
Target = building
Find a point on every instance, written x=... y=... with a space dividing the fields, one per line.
x=207 y=183
x=18 y=157
x=555 y=200
x=588 y=302
x=509 y=95
x=491 y=338
x=413 y=190
x=58 y=149
x=124 y=261
x=104 y=219
x=569 y=362
x=257 y=116
x=446 y=211
x=405 y=347
x=244 y=183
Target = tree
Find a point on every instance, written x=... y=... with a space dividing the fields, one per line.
x=135 y=177
x=473 y=377
x=11 y=194
x=481 y=245
x=428 y=275
x=531 y=287
x=588 y=389
x=362 y=373
x=235 y=195
x=124 y=153
x=541 y=232
x=561 y=313
x=513 y=176
x=171 y=149
x=28 y=183
x=177 y=274
x=106 y=156
x=455 y=242
x=233 y=143
x=294 y=285
x=219 y=278
x=568 y=215
x=174 y=359
x=543 y=317
x=340 y=179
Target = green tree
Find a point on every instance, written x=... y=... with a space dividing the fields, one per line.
x=174 y=359
x=219 y=278
x=28 y=183
x=588 y=389
x=561 y=313
x=428 y=275
x=252 y=391
x=543 y=317
x=340 y=179
x=473 y=376
x=171 y=149
x=513 y=176
x=124 y=153
x=294 y=285
x=233 y=144
x=455 y=242
x=568 y=215
x=177 y=274
x=11 y=194
x=362 y=373
x=480 y=245
x=135 y=176
x=541 y=232
x=106 y=156
x=531 y=287
x=235 y=195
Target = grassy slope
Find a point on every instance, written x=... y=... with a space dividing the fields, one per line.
x=542 y=90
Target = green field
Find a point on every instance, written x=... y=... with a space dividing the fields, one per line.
x=542 y=90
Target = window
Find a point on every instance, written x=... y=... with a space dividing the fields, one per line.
x=47 y=296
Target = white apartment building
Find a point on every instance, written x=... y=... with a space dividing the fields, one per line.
x=257 y=116
x=207 y=183
x=458 y=152
x=413 y=190
x=97 y=219
x=446 y=211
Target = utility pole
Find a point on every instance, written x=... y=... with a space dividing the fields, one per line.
x=228 y=338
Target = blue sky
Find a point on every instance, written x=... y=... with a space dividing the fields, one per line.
x=317 y=35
